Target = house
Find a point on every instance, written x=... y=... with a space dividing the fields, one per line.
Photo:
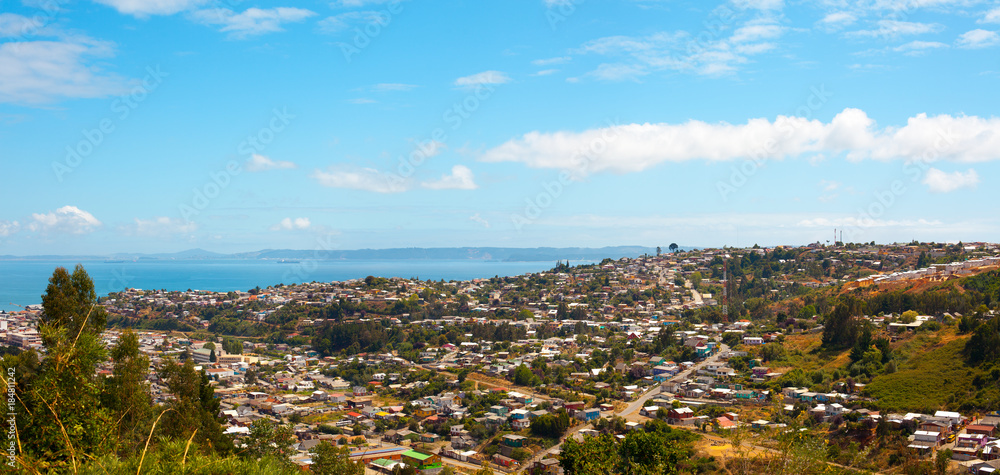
x=513 y=440
x=990 y=431
x=546 y=467
x=680 y=415
x=588 y=415
x=421 y=460
x=504 y=461
x=429 y=437
x=423 y=412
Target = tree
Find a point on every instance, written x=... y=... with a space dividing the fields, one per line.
x=63 y=420
x=673 y=247
x=908 y=316
x=126 y=394
x=523 y=375
x=212 y=357
x=194 y=407
x=268 y=439
x=942 y=460
x=330 y=460
x=658 y=251
x=71 y=303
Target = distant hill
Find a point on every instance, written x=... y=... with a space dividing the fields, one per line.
x=506 y=254
x=459 y=253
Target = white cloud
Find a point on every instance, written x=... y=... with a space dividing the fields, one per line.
x=896 y=28
x=759 y=4
x=978 y=39
x=851 y=133
x=393 y=87
x=145 y=8
x=460 y=179
x=480 y=220
x=915 y=48
x=344 y=21
x=252 y=21
x=938 y=181
x=992 y=16
x=13 y=25
x=546 y=72
x=837 y=20
x=65 y=220
x=362 y=100
x=367 y=179
x=485 y=77
x=8 y=227
x=160 y=226
x=551 y=61
x=289 y=224
x=358 y=3
x=680 y=51
x=259 y=163
x=829 y=185
x=35 y=72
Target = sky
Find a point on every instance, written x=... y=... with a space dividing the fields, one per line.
x=238 y=125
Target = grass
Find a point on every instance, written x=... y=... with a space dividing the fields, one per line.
x=929 y=380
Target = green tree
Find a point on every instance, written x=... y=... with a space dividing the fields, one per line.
x=212 y=357
x=70 y=302
x=268 y=439
x=329 y=460
x=673 y=247
x=193 y=410
x=61 y=418
x=126 y=393
x=523 y=375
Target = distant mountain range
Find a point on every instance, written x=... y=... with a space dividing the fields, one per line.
x=509 y=254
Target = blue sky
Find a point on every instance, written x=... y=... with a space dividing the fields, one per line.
x=234 y=125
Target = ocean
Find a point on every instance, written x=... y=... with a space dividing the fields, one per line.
x=22 y=282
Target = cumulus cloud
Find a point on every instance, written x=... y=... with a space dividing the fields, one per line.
x=978 y=39
x=160 y=226
x=479 y=219
x=680 y=51
x=460 y=178
x=916 y=48
x=837 y=20
x=851 y=133
x=259 y=163
x=485 y=77
x=992 y=16
x=145 y=8
x=45 y=71
x=344 y=21
x=367 y=179
x=8 y=227
x=252 y=21
x=65 y=220
x=938 y=181
x=551 y=61
x=289 y=224
x=896 y=28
